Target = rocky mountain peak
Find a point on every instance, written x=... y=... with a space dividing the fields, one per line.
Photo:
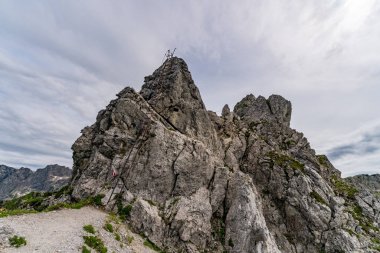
x=171 y=85
x=172 y=93
x=195 y=182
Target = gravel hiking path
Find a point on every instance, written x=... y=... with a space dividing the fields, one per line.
x=62 y=231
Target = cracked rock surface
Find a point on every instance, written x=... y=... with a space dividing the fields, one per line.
x=198 y=182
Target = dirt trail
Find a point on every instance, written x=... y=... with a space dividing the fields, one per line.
x=62 y=231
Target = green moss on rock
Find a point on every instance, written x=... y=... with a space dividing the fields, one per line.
x=286 y=161
x=318 y=198
x=343 y=188
x=323 y=160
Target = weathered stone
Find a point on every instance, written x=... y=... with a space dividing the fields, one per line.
x=276 y=109
x=145 y=219
x=192 y=219
x=171 y=92
x=226 y=111
x=246 y=229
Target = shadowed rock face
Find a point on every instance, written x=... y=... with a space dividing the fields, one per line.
x=16 y=182
x=198 y=182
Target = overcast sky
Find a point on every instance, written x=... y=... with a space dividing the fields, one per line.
x=63 y=61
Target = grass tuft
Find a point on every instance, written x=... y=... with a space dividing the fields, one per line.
x=286 y=161
x=89 y=228
x=318 y=198
x=85 y=249
x=17 y=241
x=96 y=243
x=5 y=213
x=130 y=239
x=123 y=211
x=108 y=227
x=343 y=188
x=152 y=246
x=323 y=160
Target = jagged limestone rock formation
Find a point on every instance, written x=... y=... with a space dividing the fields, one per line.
x=17 y=182
x=194 y=181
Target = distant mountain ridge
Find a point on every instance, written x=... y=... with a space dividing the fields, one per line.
x=16 y=182
x=366 y=182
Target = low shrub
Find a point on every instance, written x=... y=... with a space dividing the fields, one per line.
x=35 y=202
x=5 y=213
x=286 y=161
x=85 y=249
x=108 y=227
x=343 y=188
x=89 y=228
x=130 y=239
x=17 y=241
x=96 y=243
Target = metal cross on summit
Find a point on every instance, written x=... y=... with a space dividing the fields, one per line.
x=169 y=54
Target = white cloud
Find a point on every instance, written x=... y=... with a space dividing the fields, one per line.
x=61 y=62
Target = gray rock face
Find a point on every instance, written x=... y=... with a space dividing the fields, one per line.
x=17 y=182
x=274 y=109
x=246 y=228
x=368 y=197
x=171 y=92
x=198 y=182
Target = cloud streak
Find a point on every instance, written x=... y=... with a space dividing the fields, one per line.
x=357 y=152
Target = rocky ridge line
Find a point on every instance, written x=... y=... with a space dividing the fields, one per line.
x=17 y=182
